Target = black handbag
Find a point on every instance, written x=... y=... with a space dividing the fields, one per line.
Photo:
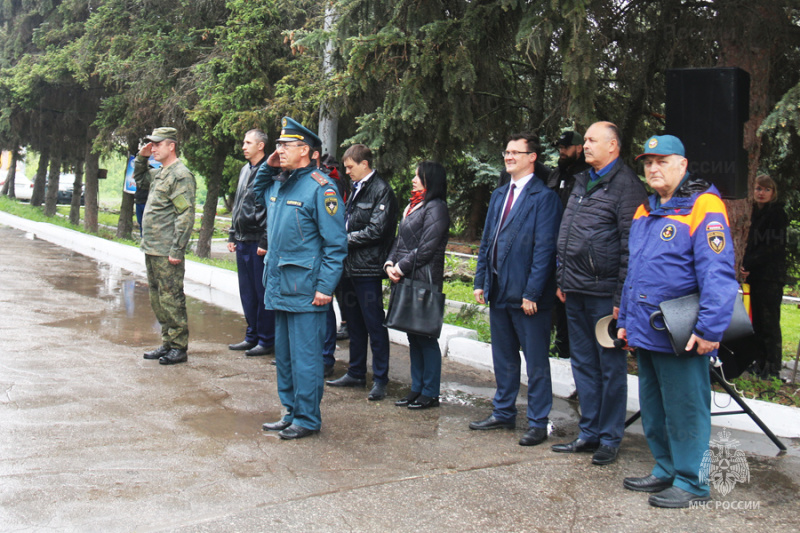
x=416 y=306
x=680 y=316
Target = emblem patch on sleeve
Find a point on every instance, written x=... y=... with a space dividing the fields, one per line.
x=668 y=232
x=330 y=192
x=716 y=241
x=331 y=205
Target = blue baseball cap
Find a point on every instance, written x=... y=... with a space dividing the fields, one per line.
x=291 y=130
x=663 y=145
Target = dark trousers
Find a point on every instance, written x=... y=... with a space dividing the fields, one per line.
x=329 y=347
x=675 y=400
x=511 y=330
x=601 y=374
x=426 y=364
x=561 y=341
x=139 y=215
x=168 y=301
x=260 y=321
x=362 y=308
x=765 y=303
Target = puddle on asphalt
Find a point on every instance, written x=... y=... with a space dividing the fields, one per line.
x=127 y=317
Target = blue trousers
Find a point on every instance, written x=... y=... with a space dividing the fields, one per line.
x=426 y=364
x=329 y=346
x=298 y=342
x=260 y=321
x=601 y=374
x=362 y=308
x=511 y=329
x=675 y=399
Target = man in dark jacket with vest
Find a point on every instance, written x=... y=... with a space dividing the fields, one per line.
x=592 y=263
x=371 y=221
x=248 y=238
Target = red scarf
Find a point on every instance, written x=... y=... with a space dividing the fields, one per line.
x=416 y=199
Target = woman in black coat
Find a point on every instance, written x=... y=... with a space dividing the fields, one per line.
x=420 y=243
x=764 y=268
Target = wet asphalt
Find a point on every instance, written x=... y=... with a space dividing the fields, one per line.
x=95 y=438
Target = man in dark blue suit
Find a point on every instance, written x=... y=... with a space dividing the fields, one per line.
x=516 y=274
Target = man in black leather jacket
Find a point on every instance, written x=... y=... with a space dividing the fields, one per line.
x=248 y=238
x=371 y=221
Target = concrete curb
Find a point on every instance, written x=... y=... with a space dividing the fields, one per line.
x=221 y=287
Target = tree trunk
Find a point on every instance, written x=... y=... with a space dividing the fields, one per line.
x=91 y=165
x=51 y=194
x=37 y=196
x=8 y=187
x=77 y=190
x=213 y=183
x=126 y=208
x=477 y=214
x=746 y=43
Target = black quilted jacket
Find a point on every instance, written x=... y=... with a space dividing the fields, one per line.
x=371 y=223
x=593 y=238
x=423 y=235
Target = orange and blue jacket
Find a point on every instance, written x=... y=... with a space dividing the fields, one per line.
x=676 y=249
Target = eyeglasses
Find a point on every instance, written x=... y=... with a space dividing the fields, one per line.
x=279 y=146
x=513 y=153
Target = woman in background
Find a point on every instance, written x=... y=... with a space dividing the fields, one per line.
x=421 y=241
x=764 y=268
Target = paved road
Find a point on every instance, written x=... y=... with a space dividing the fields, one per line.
x=94 y=438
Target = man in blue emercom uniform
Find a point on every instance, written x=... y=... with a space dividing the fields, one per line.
x=307 y=247
x=680 y=243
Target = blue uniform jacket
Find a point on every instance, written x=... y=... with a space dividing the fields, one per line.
x=526 y=247
x=676 y=249
x=306 y=234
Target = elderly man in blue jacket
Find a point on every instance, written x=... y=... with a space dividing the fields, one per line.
x=307 y=247
x=680 y=244
x=516 y=266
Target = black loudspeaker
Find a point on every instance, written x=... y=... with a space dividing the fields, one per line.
x=706 y=108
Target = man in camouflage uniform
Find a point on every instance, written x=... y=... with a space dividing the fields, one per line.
x=167 y=225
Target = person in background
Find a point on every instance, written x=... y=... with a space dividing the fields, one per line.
x=764 y=268
x=248 y=238
x=421 y=242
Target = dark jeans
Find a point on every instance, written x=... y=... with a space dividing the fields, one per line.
x=426 y=364
x=362 y=308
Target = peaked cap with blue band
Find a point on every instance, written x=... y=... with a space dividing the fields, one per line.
x=291 y=130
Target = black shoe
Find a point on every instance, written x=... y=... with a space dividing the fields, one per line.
x=280 y=425
x=173 y=357
x=156 y=353
x=259 y=350
x=646 y=484
x=241 y=346
x=605 y=455
x=328 y=372
x=296 y=432
x=424 y=402
x=378 y=391
x=407 y=399
x=342 y=333
x=492 y=423
x=675 y=498
x=533 y=436
x=347 y=381
x=576 y=446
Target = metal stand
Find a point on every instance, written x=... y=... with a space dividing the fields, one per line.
x=738 y=399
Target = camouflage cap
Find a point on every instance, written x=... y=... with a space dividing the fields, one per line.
x=159 y=134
